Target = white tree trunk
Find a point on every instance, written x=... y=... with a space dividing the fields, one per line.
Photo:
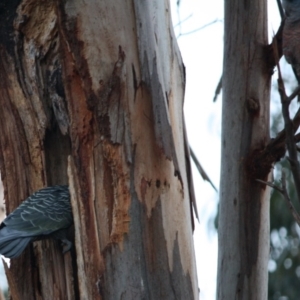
x=244 y=203
x=94 y=90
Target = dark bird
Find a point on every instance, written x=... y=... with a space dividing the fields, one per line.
x=45 y=214
x=291 y=34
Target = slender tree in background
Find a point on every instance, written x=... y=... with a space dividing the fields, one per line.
x=244 y=203
x=91 y=95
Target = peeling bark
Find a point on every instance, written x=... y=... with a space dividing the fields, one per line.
x=92 y=95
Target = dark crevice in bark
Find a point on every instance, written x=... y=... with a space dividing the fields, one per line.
x=57 y=148
x=7 y=15
x=109 y=193
x=135 y=81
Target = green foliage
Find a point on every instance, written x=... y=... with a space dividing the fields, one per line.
x=284 y=270
x=284 y=264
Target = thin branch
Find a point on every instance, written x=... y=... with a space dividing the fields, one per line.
x=200 y=169
x=289 y=131
x=198 y=29
x=280 y=138
x=297 y=138
x=281 y=11
x=288 y=200
x=294 y=94
x=218 y=90
x=184 y=20
x=283 y=191
x=270 y=184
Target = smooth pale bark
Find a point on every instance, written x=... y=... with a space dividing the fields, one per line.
x=244 y=203
x=91 y=94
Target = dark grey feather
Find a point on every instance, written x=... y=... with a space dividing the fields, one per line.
x=46 y=213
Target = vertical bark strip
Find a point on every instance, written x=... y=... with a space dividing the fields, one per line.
x=244 y=204
x=91 y=94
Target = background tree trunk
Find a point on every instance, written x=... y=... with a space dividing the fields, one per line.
x=92 y=95
x=244 y=203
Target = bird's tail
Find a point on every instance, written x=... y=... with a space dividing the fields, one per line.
x=12 y=243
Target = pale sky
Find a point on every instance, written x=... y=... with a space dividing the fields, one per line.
x=202 y=53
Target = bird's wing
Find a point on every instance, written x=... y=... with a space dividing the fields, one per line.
x=42 y=213
x=13 y=242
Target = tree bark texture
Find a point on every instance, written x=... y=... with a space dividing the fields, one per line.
x=92 y=96
x=244 y=203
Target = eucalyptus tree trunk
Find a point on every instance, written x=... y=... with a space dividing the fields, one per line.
x=91 y=95
x=244 y=203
